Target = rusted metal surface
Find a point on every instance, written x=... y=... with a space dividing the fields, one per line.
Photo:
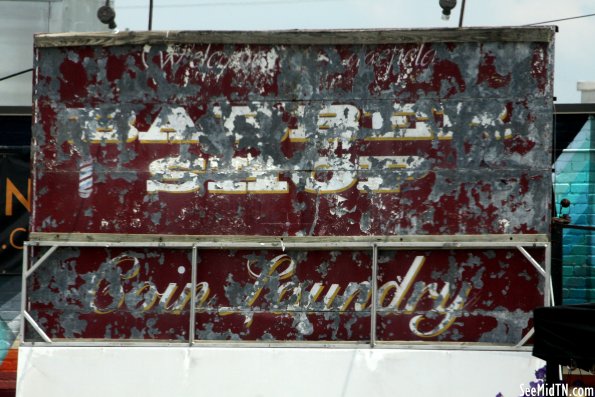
x=412 y=137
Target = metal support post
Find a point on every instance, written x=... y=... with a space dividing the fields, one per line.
x=374 y=285
x=556 y=272
x=24 y=291
x=548 y=268
x=192 y=325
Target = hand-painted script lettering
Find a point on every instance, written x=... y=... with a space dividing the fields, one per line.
x=276 y=287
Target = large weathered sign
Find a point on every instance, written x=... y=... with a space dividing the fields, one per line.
x=406 y=137
x=299 y=135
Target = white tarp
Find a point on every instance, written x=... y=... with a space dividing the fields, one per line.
x=270 y=372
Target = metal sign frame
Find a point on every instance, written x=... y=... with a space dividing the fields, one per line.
x=195 y=243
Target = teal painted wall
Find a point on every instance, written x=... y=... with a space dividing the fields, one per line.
x=575 y=180
x=10 y=308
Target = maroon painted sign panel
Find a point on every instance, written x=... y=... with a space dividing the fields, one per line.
x=292 y=139
x=317 y=140
x=422 y=295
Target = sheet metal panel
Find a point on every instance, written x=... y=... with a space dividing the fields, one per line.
x=241 y=295
x=321 y=140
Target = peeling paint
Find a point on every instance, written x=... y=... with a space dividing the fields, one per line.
x=261 y=295
x=424 y=138
x=418 y=138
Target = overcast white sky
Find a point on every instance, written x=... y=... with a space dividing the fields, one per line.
x=575 y=50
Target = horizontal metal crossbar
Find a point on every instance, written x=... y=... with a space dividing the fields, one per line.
x=287 y=345
x=284 y=244
x=37 y=238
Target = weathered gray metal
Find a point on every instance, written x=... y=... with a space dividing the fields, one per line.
x=401 y=170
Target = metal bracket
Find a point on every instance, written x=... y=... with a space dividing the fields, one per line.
x=37 y=328
x=41 y=260
x=526 y=338
x=26 y=273
x=374 y=306
x=192 y=325
x=531 y=260
x=548 y=293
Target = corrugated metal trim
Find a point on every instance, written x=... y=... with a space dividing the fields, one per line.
x=301 y=37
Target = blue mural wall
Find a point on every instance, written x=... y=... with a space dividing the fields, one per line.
x=575 y=180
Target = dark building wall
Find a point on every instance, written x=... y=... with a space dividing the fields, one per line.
x=15 y=136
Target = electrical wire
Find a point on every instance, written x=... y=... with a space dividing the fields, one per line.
x=16 y=74
x=229 y=3
x=561 y=19
x=264 y=2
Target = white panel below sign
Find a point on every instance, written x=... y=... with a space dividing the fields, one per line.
x=270 y=372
